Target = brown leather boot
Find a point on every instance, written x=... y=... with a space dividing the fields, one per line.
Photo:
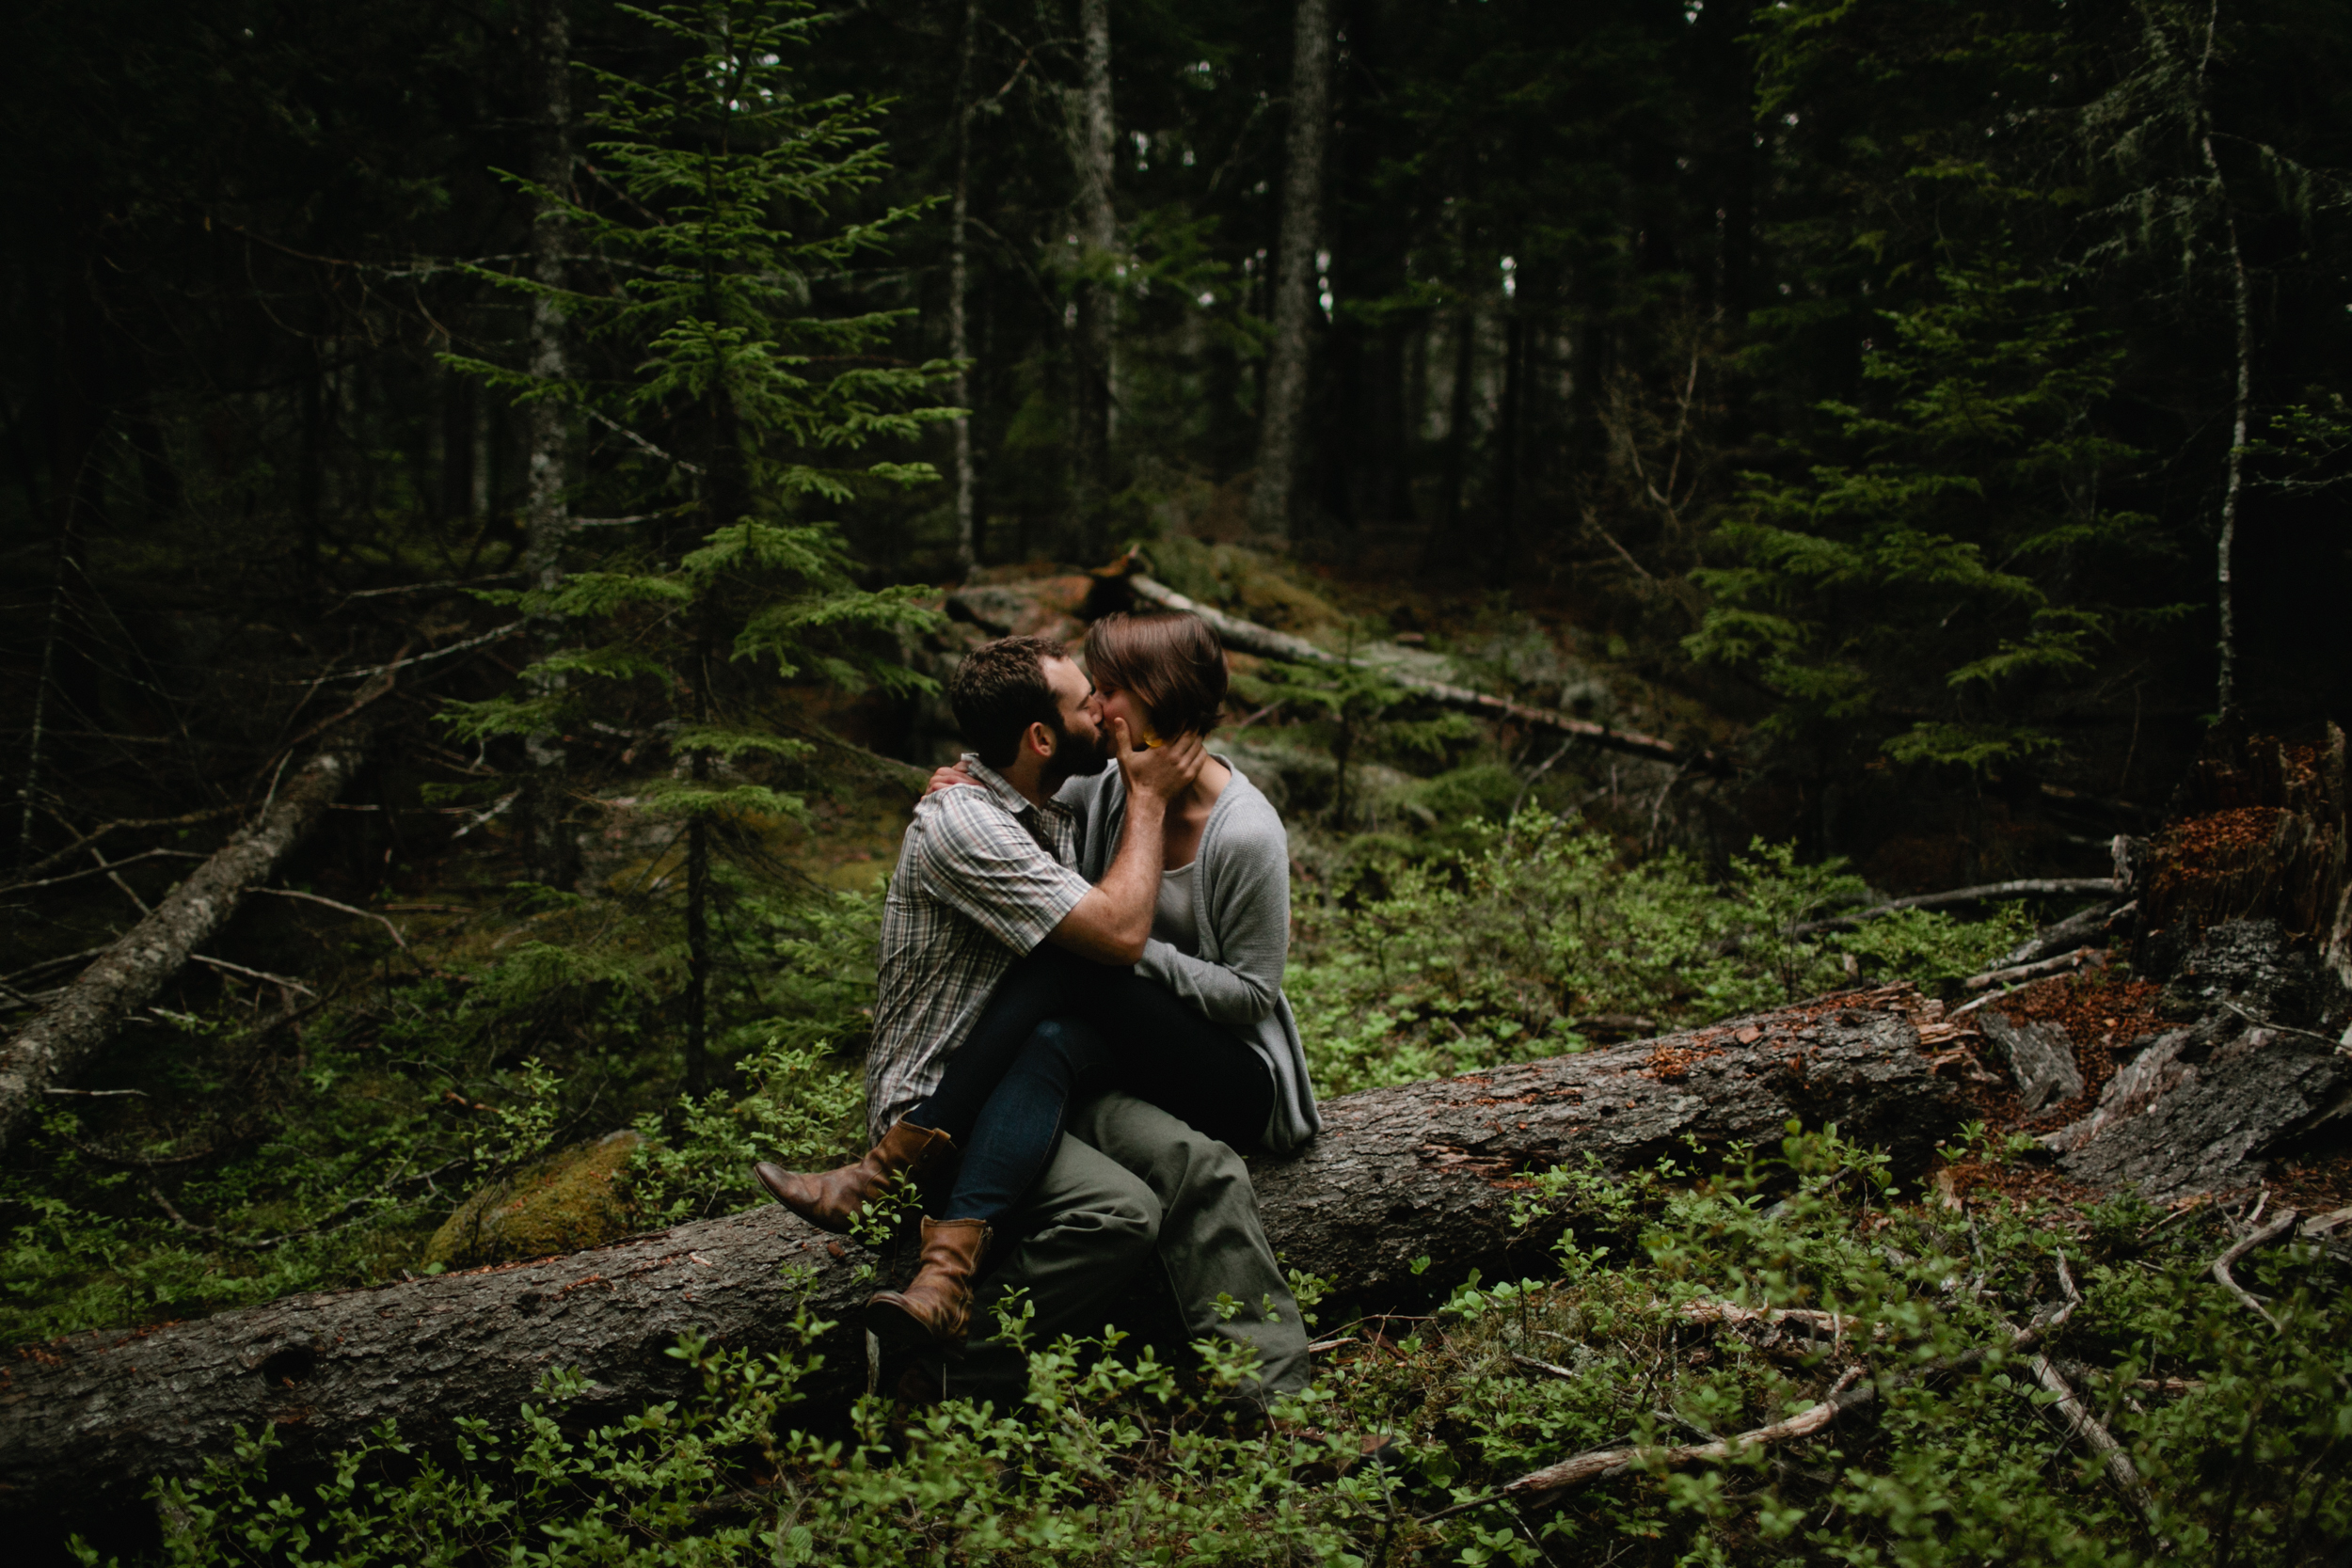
x=830 y=1199
x=936 y=1305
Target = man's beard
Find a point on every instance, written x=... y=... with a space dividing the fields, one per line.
x=1073 y=758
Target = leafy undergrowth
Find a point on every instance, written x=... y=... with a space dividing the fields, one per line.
x=1537 y=940
x=1680 y=1312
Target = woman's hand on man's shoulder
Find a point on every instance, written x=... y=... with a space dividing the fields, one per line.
x=944 y=777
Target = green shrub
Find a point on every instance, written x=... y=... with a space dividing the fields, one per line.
x=1416 y=967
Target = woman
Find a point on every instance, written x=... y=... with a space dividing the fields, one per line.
x=1200 y=1026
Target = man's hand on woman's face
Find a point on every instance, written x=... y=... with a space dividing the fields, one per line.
x=1165 y=771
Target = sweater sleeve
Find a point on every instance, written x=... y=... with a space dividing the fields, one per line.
x=1250 y=913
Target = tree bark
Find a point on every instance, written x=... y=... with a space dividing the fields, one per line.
x=1091 y=145
x=52 y=1048
x=1283 y=420
x=549 y=848
x=959 y=265
x=2242 y=304
x=1430 y=1169
x=1252 y=638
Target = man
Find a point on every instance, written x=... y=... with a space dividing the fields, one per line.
x=984 y=876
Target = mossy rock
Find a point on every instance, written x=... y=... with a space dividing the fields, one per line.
x=561 y=1203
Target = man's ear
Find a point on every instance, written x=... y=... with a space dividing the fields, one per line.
x=1039 y=738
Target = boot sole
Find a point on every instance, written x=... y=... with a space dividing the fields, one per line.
x=895 y=1326
x=830 y=1225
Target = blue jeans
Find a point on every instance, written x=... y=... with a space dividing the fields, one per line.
x=1058 y=1024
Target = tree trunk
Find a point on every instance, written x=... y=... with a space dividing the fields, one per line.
x=1426 y=1168
x=1446 y=538
x=52 y=1048
x=547 y=844
x=958 y=264
x=1091 y=150
x=1281 y=423
x=1503 y=542
x=698 y=946
x=2242 y=303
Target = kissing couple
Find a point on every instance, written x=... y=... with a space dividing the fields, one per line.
x=1079 y=1028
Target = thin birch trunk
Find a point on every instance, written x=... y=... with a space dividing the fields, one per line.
x=547 y=837
x=1282 y=421
x=2242 y=302
x=958 y=264
x=1091 y=148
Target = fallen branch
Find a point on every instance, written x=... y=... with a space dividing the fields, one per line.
x=364 y=914
x=261 y=975
x=49 y=862
x=2079 y=930
x=102 y=869
x=73 y=1027
x=2026 y=888
x=2088 y=1428
x=1539 y=1488
x=1252 y=638
x=2021 y=973
x=2280 y=1225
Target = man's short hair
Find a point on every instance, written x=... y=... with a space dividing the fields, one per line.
x=1169 y=660
x=999 y=691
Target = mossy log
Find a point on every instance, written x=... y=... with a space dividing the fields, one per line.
x=1430 y=1169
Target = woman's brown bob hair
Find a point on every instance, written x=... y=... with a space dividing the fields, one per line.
x=1168 y=660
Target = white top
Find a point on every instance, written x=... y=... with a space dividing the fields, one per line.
x=1176 y=920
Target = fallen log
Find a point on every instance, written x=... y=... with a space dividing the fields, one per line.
x=1252 y=638
x=127 y=974
x=1429 y=1169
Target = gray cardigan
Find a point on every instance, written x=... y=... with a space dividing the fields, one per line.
x=1242 y=908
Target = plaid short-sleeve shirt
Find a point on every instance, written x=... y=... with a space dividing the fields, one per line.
x=983 y=877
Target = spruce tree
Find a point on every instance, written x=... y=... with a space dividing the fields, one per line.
x=741 y=407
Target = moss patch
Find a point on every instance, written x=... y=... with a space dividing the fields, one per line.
x=561 y=1203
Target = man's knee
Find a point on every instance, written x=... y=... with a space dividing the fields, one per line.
x=1090 y=1201
x=1170 y=1153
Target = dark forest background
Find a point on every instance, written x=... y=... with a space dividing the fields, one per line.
x=1591 y=291
x=1925 y=420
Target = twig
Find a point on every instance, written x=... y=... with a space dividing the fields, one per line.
x=1545 y=1485
x=96 y=1094
x=1540 y=771
x=2021 y=973
x=1657 y=806
x=61 y=857
x=485 y=816
x=2088 y=1429
x=314 y=898
x=1553 y=1367
x=2280 y=1225
x=507 y=630
x=2259 y=1023
x=1962 y=896
x=2192 y=1206
x=251 y=973
x=104 y=868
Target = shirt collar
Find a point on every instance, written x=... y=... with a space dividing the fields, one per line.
x=1008 y=796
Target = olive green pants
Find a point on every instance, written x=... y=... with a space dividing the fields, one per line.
x=1129 y=1182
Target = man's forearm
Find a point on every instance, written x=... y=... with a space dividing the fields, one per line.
x=1112 y=923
